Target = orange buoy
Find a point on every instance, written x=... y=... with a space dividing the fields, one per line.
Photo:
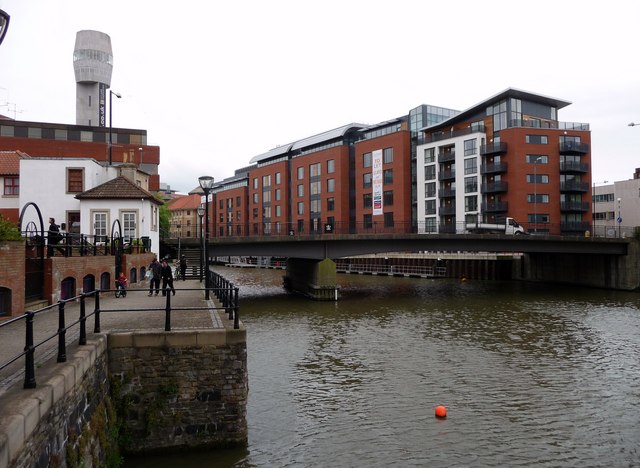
x=441 y=411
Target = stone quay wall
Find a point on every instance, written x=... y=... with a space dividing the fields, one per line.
x=67 y=420
x=179 y=390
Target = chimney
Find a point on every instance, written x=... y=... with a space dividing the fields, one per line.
x=128 y=171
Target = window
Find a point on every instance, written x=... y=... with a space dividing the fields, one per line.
x=100 y=226
x=470 y=147
x=538 y=198
x=331 y=204
x=366 y=160
x=367 y=221
x=387 y=155
x=278 y=194
x=367 y=200
x=255 y=198
x=75 y=180
x=430 y=207
x=238 y=201
x=539 y=218
x=300 y=190
x=255 y=183
x=266 y=197
x=537 y=139
x=429 y=155
x=388 y=197
x=229 y=204
x=366 y=180
x=12 y=186
x=470 y=184
x=430 y=172
x=315 y=170
x=388 y=219
x=331 y=185
x=471 y=203
x=537 y=159
x=255 y=213
x=388 y=176
x=266 y=181
x=538 y=178
x=300 y=208
x=300 y=173
x=128 y=226
x=221 y=203
x=278 y=210
x=430 y=189
x=471 y=166
x=315 y=188
x=331 y=166
x=315 y=206
x=277 y=178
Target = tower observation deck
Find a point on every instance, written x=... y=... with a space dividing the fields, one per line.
x=92 y=64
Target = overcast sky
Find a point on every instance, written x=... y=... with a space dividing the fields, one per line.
x=217 y=83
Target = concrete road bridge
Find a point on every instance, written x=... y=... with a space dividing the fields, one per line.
x=611 y=263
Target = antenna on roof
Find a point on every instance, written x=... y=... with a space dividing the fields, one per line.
x=14 y=110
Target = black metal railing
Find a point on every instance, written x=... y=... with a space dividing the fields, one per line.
x=227 y=294
x=80 y=245
x=225 y=291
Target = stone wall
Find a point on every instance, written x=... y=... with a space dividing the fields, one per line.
x=179 y=390
x=67 y=420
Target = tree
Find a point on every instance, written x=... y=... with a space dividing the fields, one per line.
x=165 y=218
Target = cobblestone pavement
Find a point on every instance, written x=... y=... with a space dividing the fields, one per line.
x=136 y=311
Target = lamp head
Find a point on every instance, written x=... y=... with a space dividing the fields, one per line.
x=200 y=210
x=118 y=95
x=206 y=182
x=4 y=24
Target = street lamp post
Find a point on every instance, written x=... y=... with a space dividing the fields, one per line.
x=619 y=216
x=206 y=183
x=201 y=214
x=111 y=94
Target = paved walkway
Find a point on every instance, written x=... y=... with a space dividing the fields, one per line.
x=137 y=311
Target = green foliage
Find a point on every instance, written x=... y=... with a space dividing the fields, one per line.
x=8 y=231
x=165 y=216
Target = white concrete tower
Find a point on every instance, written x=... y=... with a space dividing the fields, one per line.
x=92 y=64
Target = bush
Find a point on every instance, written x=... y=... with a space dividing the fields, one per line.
x=8 y=231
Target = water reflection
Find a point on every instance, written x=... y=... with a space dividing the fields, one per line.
x=531 y=374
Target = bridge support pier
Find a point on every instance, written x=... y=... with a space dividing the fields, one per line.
x=316 y=279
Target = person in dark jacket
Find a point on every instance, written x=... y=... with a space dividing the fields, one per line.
x=156 y=273
x=167 y=278
x=183 y=266
x=53 y=237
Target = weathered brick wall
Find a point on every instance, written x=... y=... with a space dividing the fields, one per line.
x=181 y=389
x=68 y=420
x=12 y=255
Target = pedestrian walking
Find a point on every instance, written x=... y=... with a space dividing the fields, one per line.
x=167 y=278
x=53 y=237
x=183 y=266
x=156 y=273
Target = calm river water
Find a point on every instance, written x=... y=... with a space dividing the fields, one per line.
x=530 y=374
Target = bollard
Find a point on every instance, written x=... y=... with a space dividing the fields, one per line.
x=167 y=316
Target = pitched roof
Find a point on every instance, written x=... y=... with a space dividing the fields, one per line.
x=187 y=202
x=10 y=162
x=119 y=188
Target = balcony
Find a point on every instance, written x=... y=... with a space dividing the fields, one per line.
x=493 y=148
x=573 y=147
x=576 y=206
x=494 y=168
x=447 y=193
x=447 y=175
x=497 y=207
x=446 y=156
x=574 y=186
x=494 y=187
x=574 y=166
x=576 y=226
x=447 y=210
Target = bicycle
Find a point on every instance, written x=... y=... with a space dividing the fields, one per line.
x=121 y=289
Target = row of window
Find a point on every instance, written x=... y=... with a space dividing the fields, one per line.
x=72 y=135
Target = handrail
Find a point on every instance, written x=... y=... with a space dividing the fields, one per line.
x=72 y=244
x=225 y=291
